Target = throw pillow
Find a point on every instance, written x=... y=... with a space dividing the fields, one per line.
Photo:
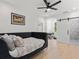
x=18 y=41
x=8 y=41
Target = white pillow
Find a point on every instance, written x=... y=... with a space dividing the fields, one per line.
x=9 y=41
x=12 y=36
x=18 y=41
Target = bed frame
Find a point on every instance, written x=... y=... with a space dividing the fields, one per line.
x=4 y=51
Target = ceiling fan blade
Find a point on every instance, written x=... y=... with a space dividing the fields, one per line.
x=55 y=3
x=45 y=1
x=54 y=8
x=41 y=7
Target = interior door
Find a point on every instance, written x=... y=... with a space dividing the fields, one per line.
x=63 y=30
x=74 y=29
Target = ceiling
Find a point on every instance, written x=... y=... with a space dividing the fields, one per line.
x=30 y=7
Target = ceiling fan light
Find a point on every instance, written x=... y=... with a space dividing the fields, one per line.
x=48 y=9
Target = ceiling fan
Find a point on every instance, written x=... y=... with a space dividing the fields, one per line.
x=49 y=5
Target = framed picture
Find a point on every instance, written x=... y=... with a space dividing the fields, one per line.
x=17 y=19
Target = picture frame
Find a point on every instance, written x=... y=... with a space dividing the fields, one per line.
x=17 y=19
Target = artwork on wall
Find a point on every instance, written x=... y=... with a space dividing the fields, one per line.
x=17 y=19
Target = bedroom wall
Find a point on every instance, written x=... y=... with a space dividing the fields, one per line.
x=32 y=23
x=5 y=19
x=49 y=24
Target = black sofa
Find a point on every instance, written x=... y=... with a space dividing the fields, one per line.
x=4 y=51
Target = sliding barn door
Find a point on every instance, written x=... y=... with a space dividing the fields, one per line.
x=63 y=30
x=74 y=29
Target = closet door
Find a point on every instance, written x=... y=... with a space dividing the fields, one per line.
x=63 y=30
x=74 y=29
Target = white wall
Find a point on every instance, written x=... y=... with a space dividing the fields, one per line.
x=5 y=19
x=32 y=24
x=29 y=8
x=50 y=25
x=41 y=24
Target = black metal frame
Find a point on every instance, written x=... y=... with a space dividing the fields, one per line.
x=68 y=18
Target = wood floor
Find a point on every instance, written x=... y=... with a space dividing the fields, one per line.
x=68 y=51
x=49 y=53
x=57 y=50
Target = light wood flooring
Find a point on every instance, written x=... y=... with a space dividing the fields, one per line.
x=68 y=51
x=58 y=50
x=49 y=53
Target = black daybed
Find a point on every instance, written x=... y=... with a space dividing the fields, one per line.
x=4 y=51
